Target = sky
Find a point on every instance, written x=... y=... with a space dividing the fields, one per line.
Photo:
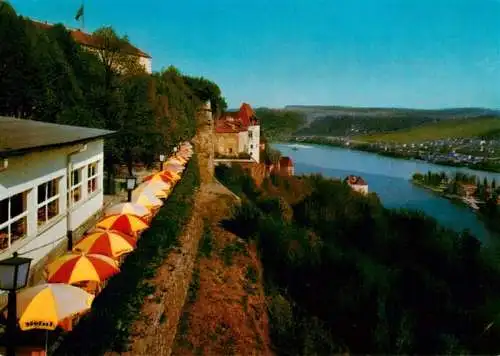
x=371 y=53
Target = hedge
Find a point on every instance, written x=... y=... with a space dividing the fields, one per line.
x=107 y=326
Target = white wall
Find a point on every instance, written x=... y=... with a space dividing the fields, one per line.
x=243 y=142
x=27 y=172
x=254 y=142
x=363 y=189
x=147 y=64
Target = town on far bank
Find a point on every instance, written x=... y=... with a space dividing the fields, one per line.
x=458 y=137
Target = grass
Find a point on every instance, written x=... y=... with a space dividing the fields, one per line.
x=435 y=131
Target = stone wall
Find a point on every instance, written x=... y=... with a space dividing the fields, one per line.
x=204 y=145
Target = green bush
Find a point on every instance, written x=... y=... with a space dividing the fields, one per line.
x=353 y=270
x=107 y=326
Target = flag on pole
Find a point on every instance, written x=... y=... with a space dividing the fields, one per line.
x=79 y=13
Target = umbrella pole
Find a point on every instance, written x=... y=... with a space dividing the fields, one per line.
x=46 y=342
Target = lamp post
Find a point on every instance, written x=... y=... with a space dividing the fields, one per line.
x=131 y=180
x=162 y=159
x=14 y=273
x=175 y=150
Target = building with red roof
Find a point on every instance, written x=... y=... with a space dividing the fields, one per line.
x=357 y=183
x=93 y=43
x=237 y=134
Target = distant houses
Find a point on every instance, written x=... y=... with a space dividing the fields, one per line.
x=94 y=43
x=357 y=183
x=237 y=135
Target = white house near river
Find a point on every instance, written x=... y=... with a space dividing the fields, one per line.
x=51 y=182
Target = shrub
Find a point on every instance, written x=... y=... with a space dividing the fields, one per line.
x=107 y=326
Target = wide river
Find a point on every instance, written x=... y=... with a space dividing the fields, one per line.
x=390 y=179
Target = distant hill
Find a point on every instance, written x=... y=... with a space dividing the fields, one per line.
x=488 y=127
x=315 y=111
x=345 y=120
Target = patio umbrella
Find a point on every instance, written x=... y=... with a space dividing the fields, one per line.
x=80 y=267
x=126 y=223
x=45 y=305
x=162 y=176
x=154 y=185
x=148 y=200
x=151 y=191
x=174 y=168
x=106 y=242
x=128 y=208
x=176 y=161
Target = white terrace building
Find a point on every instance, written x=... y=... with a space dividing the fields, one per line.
x=50 y=184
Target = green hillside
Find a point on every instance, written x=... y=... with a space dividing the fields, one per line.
x=478 y=127
x=279 y=124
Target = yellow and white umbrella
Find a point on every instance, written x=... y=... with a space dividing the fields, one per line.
x=45 y=305
x=127 y=208
x=148 y=200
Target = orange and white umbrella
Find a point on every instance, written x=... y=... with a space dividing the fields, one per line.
x=80 y=267
x=162 y=176
x=148 y=200
x=106 y=242
x=126 y=223
x=128 y=208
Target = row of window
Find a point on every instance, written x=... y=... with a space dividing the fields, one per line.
x=14 y=210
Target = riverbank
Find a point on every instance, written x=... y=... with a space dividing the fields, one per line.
x=484 y=167
x=471 y=203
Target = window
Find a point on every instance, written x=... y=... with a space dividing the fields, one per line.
x=48 y=201
x=92 y=174
x=76 y=185
x=12 y=219
x=250 y=134
x=230 y=150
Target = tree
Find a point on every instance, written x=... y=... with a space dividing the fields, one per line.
x=115 y=53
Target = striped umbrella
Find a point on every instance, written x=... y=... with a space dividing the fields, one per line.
x=126 y=223
x=174 y=168
x=148 y=200
x=128 y=208
x=45 y=305
x=162 y=176
x=78 y=267
x=106 y=242
x=150 y=190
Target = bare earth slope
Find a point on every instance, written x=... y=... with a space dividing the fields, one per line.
x=225 y=312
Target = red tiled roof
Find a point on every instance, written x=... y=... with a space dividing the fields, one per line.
x=89 y=40
x=246 y=113
x=355 y=180
x=286 y=162
x=226 y=126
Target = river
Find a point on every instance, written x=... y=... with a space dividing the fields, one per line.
x=390 y=179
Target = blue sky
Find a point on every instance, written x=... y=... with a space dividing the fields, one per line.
x=401 y=53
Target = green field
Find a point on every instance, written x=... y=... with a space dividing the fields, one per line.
x=478 y=127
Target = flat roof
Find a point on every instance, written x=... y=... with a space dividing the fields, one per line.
x=20 y=136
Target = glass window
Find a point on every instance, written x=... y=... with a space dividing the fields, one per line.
x=92 y=177
x=76 y=185
x=13 y=219
x=48 y=201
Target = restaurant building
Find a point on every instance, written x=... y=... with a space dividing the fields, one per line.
x=51 y=184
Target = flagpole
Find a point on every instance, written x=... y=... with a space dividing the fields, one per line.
x=83 y=15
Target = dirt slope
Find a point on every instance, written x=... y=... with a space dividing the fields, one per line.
x=225 y=312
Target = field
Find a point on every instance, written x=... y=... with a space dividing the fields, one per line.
x=479 y=127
